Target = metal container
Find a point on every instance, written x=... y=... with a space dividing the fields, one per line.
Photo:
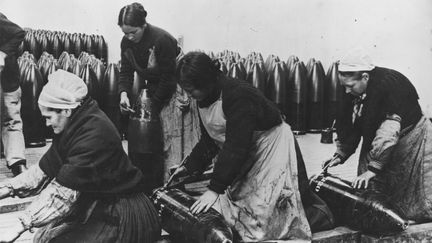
x=297 y=98
x=144 y=129
x=367 y=210
x=33 y=123
x=208 y=227
x=327 y=135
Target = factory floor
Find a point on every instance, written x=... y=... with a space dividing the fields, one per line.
x=314 y=152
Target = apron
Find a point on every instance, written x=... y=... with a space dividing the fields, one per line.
x=263 y=203
x=181 y=130
x=407 y=178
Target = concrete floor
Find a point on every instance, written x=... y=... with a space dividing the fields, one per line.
x=313 y=151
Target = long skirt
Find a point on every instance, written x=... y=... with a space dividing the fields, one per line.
x=264 y=202
x=126 y=219
x=407 y=178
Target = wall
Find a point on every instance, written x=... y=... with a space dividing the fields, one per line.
x=396 y=33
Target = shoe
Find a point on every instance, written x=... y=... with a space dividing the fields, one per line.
x=18 y=167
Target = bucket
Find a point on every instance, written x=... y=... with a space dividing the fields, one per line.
x=327 y=136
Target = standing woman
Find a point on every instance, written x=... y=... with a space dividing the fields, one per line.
x=151 y=52
x=254 y=184
x=381 y=108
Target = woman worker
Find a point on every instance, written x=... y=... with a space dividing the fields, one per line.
x=151 y=52
x=89 y=190
x=254 y=184
x=381 y=107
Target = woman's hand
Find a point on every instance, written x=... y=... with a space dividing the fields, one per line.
x=124 y=103
x=182 y=104
x=182 y=100
x=204 y=203
x=333 y=161
x=5 y=191
x=12 y=232
x=179 y=172
x=363 y=179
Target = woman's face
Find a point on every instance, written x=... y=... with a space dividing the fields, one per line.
x=354 y=85
x=132 y=33
x=197 y=94
x=57 y=120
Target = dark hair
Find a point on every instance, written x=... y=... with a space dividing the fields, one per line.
x=133 y=14
x=197 y=69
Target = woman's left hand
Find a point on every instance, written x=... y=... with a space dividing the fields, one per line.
x=13 y=231
x=5 y=191
x=363 y=179
x=204 y=203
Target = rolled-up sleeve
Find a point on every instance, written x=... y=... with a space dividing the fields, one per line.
x=383 y=144
x=54 y=202
x=30 y=182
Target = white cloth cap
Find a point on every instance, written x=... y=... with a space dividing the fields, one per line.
x=64 y=90
x=355 y=60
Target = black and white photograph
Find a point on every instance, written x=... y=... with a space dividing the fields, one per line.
x=230 y=121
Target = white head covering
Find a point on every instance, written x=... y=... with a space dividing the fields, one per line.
x=64 y=90
x=355 y=60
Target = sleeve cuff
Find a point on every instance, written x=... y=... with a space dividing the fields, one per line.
x=394 y=117
x=341 y=156
x=375 y=166
x=217 y=187
x=343 y=151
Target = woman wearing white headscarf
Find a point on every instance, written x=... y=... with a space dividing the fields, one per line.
x=89 y=190
x=381 y=107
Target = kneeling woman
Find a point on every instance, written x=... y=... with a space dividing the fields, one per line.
x=92 y=191
x=255 y=180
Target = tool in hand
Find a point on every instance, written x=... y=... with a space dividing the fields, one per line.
x=172 y=176
x=324 y=169
x=130 y=109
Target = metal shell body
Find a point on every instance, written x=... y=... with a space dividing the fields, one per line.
x=173 y=206
x=367 y=210
x=315 y=98
x=33 y=123
x=297 y=98
x=333 y=92
x=110 y=99
x=144 y=129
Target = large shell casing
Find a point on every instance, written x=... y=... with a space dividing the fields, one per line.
x=368 y=210
x=144 y=129
x=208 y=227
